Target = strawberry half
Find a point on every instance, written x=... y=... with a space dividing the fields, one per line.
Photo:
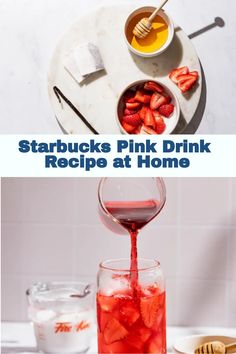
x=137 y=130
x=156 y=346
x=166 y=110
x=132 y=106
x=186 y=82
x=149 y=307
x=142 y=97
x=194 y=73
x=114 y=331
x=160 y=124
x=147 y=130
x=133 y=119
x=167 y=97
x=153 y=86
x=129 y=96
x=129 y=314
x=149 y=119
x=128 y=112
x=143 y=112
x=128 y=128
x=175 y=73
x=138 y=338
x=107 y=303
x=157 y=101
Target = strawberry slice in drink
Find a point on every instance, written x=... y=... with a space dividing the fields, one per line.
x=138 y=338
x=149 y=306
x=114 y=331
x=156 y=346
x=107 y=303
x=129 y=313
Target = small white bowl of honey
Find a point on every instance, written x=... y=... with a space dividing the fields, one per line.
x=157 y=41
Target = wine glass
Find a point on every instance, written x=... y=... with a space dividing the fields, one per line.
x=130 y=204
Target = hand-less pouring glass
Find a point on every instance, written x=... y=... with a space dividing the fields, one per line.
x=131 y=299
x=62 y=315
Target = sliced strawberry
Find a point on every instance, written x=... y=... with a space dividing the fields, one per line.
x=166 y=110
x=103 y=318
x=156 y=345
x=151 y=290
x=137 y=130
x=128 y=128
x=118 y=348
x=138 y=338
x=186 y=82
x=175 y=73
x=131 y=100
x=144 y=334
x=142 y=97
x=129 y=95
x=157 y=115
x=114 y=331
x=107 y=303
x=160 y=123
x=149 y=307
x=128 y=112
x=167 y=97
x=129 y=314
x=153 y=86
x=133 y=119
x=195 y=73
x=149 y=119
x=147 y=130
x=132 y=106
x=143 y=112
x=157 y=101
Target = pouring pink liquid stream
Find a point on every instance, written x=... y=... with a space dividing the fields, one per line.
x=132 y=323
x=133 y=216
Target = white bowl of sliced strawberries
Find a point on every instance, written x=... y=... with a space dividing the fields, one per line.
x=148 y=107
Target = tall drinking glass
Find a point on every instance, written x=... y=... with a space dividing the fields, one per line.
x=131 y=322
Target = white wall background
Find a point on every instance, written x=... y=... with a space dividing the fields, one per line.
x=51 y=231
x=30 y=30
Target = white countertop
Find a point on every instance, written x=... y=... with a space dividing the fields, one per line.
x=30 y=30
x=19 y=337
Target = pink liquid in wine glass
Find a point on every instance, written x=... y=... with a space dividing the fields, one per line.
x=133 y=216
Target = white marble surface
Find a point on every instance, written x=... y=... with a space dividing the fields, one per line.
x=19 y=337
x=30 y=29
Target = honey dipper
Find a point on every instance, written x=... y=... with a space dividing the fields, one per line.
x=144 y=26
x=216 y=348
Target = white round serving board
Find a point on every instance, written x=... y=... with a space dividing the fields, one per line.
x=97 y=97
